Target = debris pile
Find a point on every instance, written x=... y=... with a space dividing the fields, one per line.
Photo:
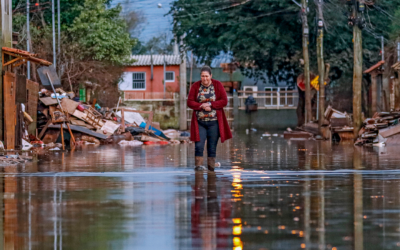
x=63 y=118
x=335 y=122
x=379 y=129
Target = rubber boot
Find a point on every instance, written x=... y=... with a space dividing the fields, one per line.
x=211 y=163
x=198 y=163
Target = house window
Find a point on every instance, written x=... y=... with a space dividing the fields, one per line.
x=283 y=99
x=170 y=76
x=139 y=80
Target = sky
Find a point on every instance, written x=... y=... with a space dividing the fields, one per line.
x=155 y=23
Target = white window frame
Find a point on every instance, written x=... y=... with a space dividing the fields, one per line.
x=279 y=102
x=173 y=78
x=133 y=81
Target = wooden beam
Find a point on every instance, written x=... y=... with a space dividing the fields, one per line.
x=12 y=61
x=44 y=129
x=20 y=63
x=150 y=120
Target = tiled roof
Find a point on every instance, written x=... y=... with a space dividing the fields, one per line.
x=145 y=60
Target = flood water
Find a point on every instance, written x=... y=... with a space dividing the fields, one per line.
x=269 y=194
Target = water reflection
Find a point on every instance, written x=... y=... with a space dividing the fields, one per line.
x=280 y=195
x=208 y=218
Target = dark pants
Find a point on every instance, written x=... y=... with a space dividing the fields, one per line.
x=208 y=131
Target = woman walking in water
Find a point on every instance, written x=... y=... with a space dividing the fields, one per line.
x=207 y=98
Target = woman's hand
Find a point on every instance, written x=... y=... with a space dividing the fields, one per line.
x=205 y=105
x=208 y=109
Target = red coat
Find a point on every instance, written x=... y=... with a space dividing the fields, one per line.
x=220 y=102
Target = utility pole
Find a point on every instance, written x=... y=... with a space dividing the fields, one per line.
x=164 y=75
x=398 y=51
x=357 y=22
x=54 y=34
x=321 y=66
x=304 y=11
x=59 y=35
x=28 y=39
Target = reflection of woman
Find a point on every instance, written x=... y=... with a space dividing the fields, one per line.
x=207 y=98
x=208 y=219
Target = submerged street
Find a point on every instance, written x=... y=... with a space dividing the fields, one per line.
x=269 y=194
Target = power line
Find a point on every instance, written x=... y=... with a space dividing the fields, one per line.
x=248 y=18
x=384 y=12
x=294 y=1
x=214 y=10
x=185 y=4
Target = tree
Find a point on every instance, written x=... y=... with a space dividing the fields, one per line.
x=69 y=9
x=265 y=35
x=156 y=45
x=95 y=47
x=101 y=32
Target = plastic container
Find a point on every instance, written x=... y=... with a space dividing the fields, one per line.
x=80 y=108
x=156 y=131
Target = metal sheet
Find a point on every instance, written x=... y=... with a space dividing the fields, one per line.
x=51 y=72
x=48 y=101
x=82 y=130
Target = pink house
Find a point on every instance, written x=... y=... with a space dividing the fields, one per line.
x=144 y=79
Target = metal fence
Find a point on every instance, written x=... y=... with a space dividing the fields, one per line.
x=137 y=96
x=270 y=99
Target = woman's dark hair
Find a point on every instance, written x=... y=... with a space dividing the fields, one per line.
x=206 y=69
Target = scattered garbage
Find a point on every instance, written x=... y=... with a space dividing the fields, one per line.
x=64 y=118
x=26 y=145
x=130 y=143
x=380 y=130
x=335 y=123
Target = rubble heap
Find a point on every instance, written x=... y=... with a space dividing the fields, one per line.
x=72 y=121
x=379 y=128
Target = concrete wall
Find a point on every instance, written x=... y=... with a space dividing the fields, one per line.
x=266 y=119
x=165 y=112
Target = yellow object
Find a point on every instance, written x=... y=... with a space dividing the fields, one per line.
x=315 y=83
x=28 y=118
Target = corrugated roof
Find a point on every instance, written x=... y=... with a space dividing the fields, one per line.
x=145 y=60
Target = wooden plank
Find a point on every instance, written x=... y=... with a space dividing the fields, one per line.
x=77 y=122
x=44 y=129
x=387 y=132
x=148 y=138
x=311 y=128
x=9 y=90
x=82 y=130
x=48 y=101
x=21 y=96
x=296 y=134
x=83 y=116
x=339 y=122
x=32 y=89
x=80 y=115
x=69 y=105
